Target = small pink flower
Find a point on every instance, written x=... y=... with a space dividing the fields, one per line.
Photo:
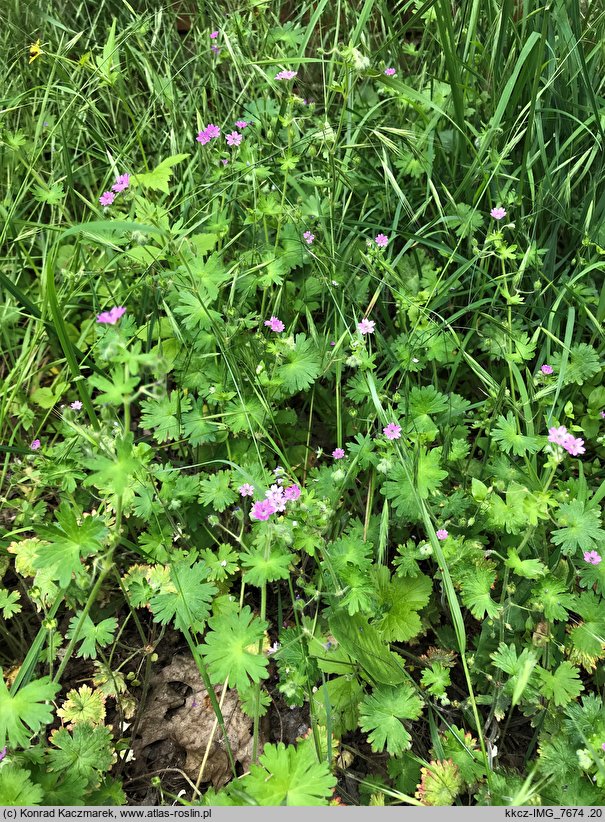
x=241 y=123
x=215 y=49
x=213 y=35
x=275 y=324
x=107 y=198
x=291 y=493
x=442 y=534
x=111 y=317
x=381 y=240
x=121 y=184
x=392 y=431
x=557 y=435
x=203 y=137
x=602 y=746
x=277 y=498
x=338 y=453
x=246 y=490
x=286 y=75
x=76 y=405
x=390 y=72
x=546 y=369
x=35 y=444
x=225 y=162
x=273 y=649
x=309 y=237
x=366 y=326
x=574 y=445
x=234 y=139
x=262 y=510
x=592 y=558
x=498 y=213
x=212 y=131
x=3 y=753
x=603 y=415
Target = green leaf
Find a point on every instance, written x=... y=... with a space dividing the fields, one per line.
x=553 y=598
x=403 y=492
x=289 y=776
x=69 y=541
x=16 y=788
x=158 y=179
x=215 y=491
x=527 y=568
x=476 y=588
x=83 y=752
x=230 y=649
x=509 y=439
x=114 y=391
x=25 y=710
x=381 y=717
x=91 y=635
x=581 y=528
x=364 y=644
x=266 y=565
x=114 y=475
x=163 y=416
x=436 y=679
x=400 y=600
x=187 y=599
x=9 y=603
x=301 y=366
x=562 y=686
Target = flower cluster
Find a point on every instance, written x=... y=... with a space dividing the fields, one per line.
x=111 y=317
x=275 y=502
x=211 y=132
x=275 y=324
x=121 y=184
x=286 y=75
x=561 y=436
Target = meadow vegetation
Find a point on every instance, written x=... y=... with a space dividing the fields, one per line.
x=302 y=405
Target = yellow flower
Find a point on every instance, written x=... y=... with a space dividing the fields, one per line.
x=34 y=51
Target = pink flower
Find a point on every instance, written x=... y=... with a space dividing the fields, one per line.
x=366 y=326
x=234 y=139
x=213 y=35
x=292 y=493
x=390 y=72
x=603 y=415
x=593 y=558
x=262 y=510
x=275 y=324
x=286 y=75
x=215 y=49
x=3 y=753
x=546 y=369
x=246 y=490
x=557 y=435
x=225 y=162
x=392 y=431
x=574 y=445
x=309 y=237
x=241 y=123
x=561 y=436
x=381 y=240
x=122 y=182
x=212 y=131
x=111 y=317
x=442 y=534
x=35 y=444
x=603 y=746
x=76 y=405
x=203 y=137
x=338 y=453
x=275 y=495
x=273 y=649
x=107 y=198
x=498 y=213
